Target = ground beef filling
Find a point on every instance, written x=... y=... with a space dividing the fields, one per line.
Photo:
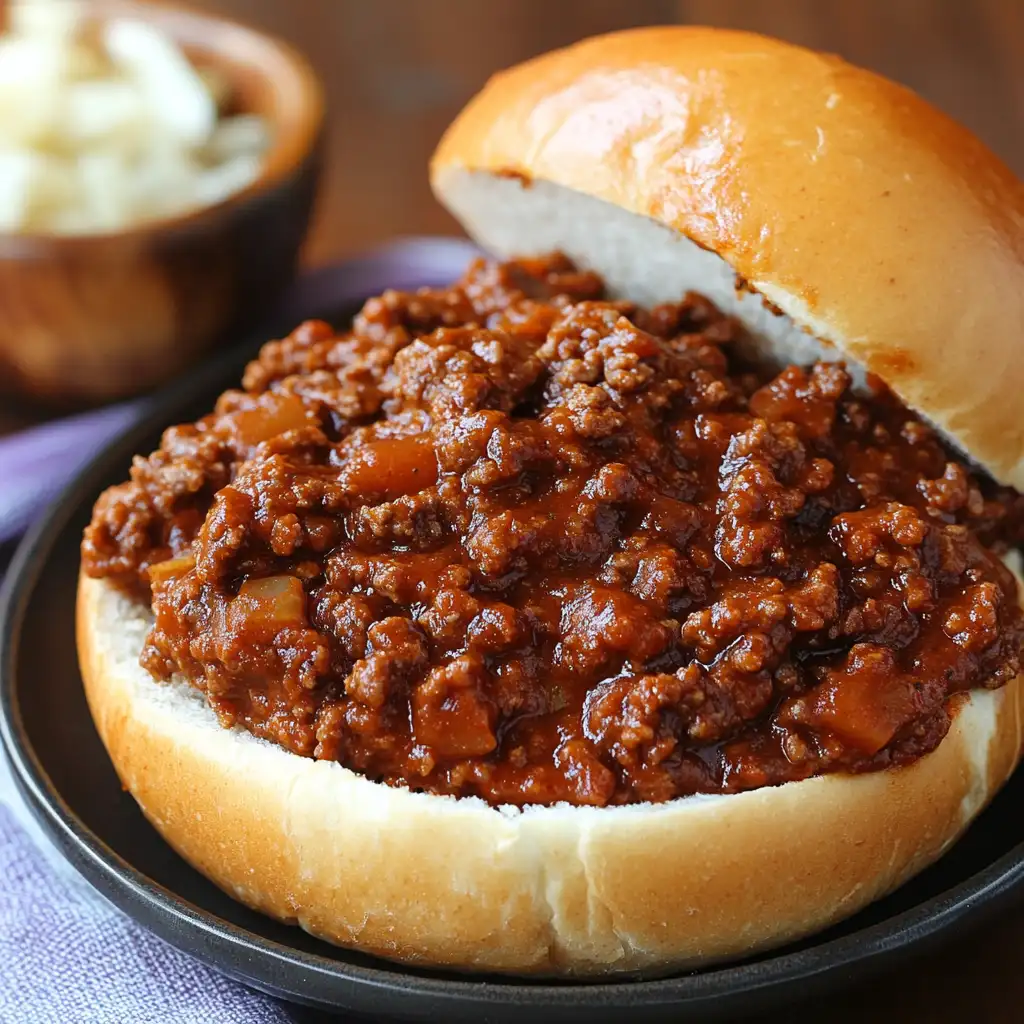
x=514 y=540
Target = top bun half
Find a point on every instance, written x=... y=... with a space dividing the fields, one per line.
x=835 y=212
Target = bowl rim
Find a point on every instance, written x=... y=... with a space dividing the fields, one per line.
x=289 y=148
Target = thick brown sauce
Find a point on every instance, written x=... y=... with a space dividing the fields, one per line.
x=509 y=539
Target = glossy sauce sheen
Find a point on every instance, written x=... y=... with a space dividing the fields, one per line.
x=513 y=540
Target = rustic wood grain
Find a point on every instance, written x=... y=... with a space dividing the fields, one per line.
x=397 y=71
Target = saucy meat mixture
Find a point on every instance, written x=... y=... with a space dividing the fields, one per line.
x=511 y=539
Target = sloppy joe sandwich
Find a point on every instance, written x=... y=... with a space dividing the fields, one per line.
x=645 y=598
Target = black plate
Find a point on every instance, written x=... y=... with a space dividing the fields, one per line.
x=69 y=783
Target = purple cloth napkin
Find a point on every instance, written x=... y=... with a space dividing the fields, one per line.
x=35 y=464
x=66 y=954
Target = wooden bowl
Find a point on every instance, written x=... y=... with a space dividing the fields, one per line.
x=86 y=318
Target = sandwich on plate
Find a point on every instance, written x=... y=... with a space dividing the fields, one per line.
x=643 y=599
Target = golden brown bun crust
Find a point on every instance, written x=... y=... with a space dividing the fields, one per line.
x=438 y=881
x=863 y=213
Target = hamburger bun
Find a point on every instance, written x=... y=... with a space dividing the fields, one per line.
x=439 y=881
x=835 y=214
x=878 y=230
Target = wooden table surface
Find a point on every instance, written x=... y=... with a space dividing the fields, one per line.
x=396 y=71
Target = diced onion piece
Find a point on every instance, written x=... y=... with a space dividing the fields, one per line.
x=170 y=568
x=174 y=89
x=459 y=726
x=393 y=466
x=268 y=605
x=272 y=416
x=864 y=711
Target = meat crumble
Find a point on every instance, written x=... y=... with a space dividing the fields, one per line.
x=515 y=540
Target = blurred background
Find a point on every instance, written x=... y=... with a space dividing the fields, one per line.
x=397 y=71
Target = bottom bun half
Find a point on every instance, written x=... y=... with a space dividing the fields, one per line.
x=439 y=881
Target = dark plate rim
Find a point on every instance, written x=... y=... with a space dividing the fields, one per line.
x=168 y=914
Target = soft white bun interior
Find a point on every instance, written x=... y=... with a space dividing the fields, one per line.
x=638 y=257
